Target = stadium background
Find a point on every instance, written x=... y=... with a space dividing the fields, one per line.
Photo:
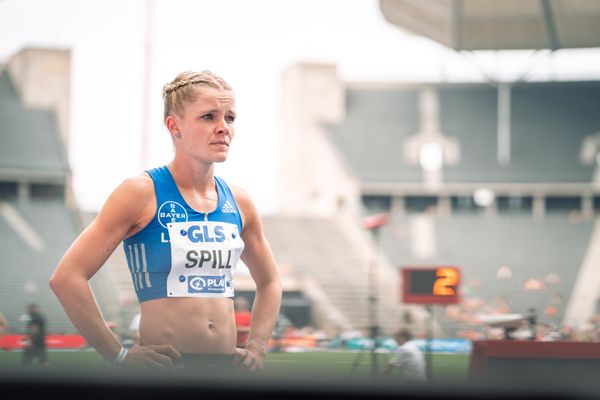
x=497 y=178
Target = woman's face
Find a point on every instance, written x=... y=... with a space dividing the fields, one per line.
x=206 y=126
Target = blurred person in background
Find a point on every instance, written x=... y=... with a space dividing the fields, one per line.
x=183 y=231
x=408 y=362
x=282 y=327
x=36 y=337
x=3 y=324
x=3 y=329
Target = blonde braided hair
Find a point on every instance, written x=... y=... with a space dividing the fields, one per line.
x=182 y=89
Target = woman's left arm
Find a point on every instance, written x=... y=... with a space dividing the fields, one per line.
x=260 y=261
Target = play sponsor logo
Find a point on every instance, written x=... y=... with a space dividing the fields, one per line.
x=206 y=284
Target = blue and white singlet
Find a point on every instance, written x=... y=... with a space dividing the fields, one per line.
x=182 y=252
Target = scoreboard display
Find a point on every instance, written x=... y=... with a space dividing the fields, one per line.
x=432 y=285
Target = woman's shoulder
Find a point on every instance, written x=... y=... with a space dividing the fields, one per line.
x=132 y=191
x=246 y=206
x=140 y=185
x=130 y=203
x=241 y=196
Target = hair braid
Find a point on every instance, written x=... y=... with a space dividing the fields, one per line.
x=181 y=89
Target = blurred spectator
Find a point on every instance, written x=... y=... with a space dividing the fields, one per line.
x=3 y=324
x=282 y=326
x=311 y=331
x=350 y=334
x=408 y=360
x=522 y=333
x=243 y=319
x=3 y=329
x=567 y=333
x=36 y=337
x=335 y=341
x=548 y=333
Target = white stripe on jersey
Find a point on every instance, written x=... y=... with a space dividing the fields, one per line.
x=132 y=269
x=145 y=267
x=139 y=275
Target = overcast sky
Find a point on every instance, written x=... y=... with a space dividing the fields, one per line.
x=249 y=43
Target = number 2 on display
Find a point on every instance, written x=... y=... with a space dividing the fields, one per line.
x=446 y=281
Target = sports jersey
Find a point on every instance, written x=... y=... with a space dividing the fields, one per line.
x=183 y=252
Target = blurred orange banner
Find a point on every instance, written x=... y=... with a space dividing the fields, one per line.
x=16 y=342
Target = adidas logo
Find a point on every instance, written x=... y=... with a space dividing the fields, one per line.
x=228 y=208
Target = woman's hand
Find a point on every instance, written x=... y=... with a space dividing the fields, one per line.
x=248 y=359
x=152 y=357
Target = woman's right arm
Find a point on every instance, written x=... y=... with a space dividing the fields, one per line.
x=127 y=209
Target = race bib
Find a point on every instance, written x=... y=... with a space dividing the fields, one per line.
x=203 y=258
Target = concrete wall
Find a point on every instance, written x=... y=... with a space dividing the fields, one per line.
x=313 y=179
x=43 y=80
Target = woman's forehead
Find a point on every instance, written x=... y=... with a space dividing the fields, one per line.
x=211 y=97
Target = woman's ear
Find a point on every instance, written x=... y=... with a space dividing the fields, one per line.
x=172 y=124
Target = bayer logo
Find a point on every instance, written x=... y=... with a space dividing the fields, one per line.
x=171 y=211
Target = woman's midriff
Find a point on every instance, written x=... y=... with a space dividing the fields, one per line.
x=191 y=325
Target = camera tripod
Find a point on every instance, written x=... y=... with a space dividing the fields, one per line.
x=374 y=224
x=373 y=334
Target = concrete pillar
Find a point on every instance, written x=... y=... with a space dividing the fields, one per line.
x=539 y=206
x=398 y=206
x=587 y=206
x=444 y=205
x=23 y=192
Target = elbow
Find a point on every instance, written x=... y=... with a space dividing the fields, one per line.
x=57 y=282
x=54 y=282
x=64 y=281
x=275 y=285
x=276 y=289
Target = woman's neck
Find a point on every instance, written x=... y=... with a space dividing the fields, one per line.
x=196 y=176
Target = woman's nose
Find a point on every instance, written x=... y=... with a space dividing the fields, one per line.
x=223 y=127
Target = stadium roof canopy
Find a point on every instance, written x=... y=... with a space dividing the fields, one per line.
x=499 y=24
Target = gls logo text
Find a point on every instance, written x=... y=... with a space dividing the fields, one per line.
x=197 y=234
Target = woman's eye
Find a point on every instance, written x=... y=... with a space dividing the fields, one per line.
x=230 y=119
x=207 y=116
